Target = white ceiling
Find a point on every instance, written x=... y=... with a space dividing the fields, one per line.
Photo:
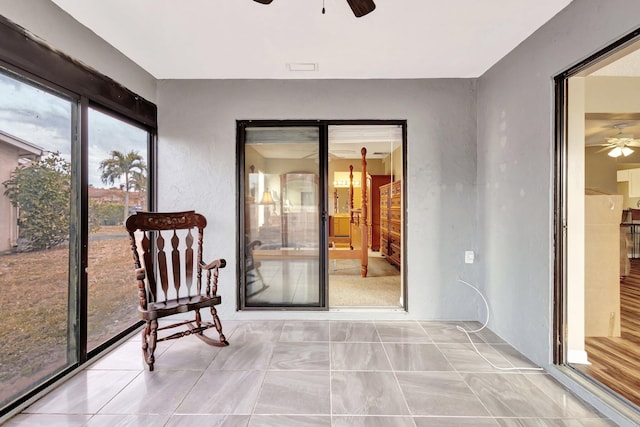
x=221 y=39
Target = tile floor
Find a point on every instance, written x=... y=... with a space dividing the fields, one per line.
x=315 y=373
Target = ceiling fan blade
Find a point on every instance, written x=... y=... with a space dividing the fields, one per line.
x=634 y=143
x=608 y=147
x=263 y=1
x=361 y=7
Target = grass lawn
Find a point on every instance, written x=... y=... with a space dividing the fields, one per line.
x=33 y=323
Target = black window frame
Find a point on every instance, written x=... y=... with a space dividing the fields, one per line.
x=560 y=82
x=31 y=60
x=323 y=126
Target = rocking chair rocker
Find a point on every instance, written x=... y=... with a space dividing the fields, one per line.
x=174 y=292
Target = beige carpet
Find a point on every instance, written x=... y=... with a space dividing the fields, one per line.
x=381 y=287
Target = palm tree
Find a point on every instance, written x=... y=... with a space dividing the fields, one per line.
x=120 y=164
x=138 y=183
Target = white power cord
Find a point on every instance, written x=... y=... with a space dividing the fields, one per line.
x=486 y=322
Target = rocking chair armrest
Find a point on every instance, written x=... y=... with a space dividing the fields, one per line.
x=141 y=273
x=218 y=263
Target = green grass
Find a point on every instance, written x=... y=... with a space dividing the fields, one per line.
x=33 y=320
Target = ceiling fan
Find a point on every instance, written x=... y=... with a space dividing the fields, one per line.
x=619 y=144
x=359 y=7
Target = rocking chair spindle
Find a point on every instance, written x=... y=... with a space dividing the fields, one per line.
x=169 y=292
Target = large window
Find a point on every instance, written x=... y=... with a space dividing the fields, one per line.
x=76 y=158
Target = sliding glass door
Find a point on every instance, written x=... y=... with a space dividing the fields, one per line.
x=282 y=216
x=35 y=217
x=322 y=214
x=118 y=187
x=598 y=211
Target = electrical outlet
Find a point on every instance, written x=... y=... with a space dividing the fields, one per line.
x=469 y=257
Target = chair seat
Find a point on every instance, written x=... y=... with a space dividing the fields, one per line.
x=169 y=265
x=156 y=310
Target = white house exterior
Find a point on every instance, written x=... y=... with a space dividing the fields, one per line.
x=13 y=152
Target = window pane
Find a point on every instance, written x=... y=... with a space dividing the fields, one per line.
x=35 y=156
x=282 y=220
x=117 y=188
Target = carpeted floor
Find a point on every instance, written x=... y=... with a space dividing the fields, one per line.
x=381 y=287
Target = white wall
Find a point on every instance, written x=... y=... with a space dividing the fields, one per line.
x=515 y=167
x=197 y=157
x=612 y=94
x=47 y=21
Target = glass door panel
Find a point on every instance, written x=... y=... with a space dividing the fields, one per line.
x=601 y=210
x=35 y=212
x=282 y=217
x=117 y=188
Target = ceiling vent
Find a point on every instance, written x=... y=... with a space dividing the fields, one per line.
x=302 y=66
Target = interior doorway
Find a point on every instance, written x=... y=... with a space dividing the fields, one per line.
x=365 y=202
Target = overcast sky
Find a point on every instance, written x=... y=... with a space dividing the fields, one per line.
x=44 y=119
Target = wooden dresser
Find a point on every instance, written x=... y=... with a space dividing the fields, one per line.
x=391 y=222
x=374 y=182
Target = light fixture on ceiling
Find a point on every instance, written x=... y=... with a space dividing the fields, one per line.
x=620 y=151
x=620 y=143
x=343 y=180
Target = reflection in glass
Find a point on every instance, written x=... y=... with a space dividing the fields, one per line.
x=35 y=156
x=282 y=220
x=117 y=188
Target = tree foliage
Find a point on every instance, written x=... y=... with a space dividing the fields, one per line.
x=41 y=192
x=104 y=213
x=121 y=164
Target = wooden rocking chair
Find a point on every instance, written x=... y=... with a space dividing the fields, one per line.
x=174 y=292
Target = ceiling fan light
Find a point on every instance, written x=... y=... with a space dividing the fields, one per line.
x=616 y=152
x=626 y=151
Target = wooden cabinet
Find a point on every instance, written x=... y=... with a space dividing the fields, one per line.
x=391 y=222
x=374 y=182
x=339 y=225
x=632 y=176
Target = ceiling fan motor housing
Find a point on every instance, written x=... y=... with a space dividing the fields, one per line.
x=359 y=7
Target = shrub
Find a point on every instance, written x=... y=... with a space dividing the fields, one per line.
x=41 y=192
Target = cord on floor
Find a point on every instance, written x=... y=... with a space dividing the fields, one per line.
x=486 y=322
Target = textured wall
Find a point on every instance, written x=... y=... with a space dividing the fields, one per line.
x=197 y=158
x=515 y=166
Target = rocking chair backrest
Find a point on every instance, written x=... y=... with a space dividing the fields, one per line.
x=163 y=227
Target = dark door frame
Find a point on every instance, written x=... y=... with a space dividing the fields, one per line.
x=323 y=126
